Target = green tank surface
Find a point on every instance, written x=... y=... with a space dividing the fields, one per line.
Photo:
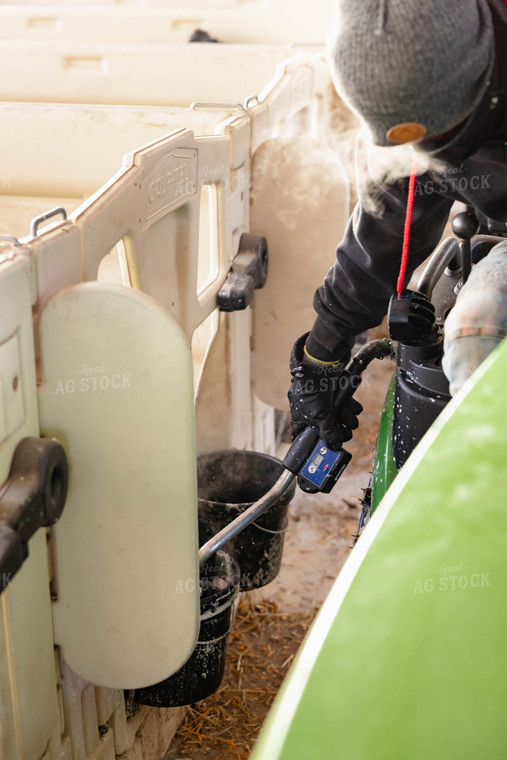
x=407 y=657
x=384 y=466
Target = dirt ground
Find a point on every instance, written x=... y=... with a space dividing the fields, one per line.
x=271 y=622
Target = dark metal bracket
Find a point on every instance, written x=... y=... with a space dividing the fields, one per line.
x=32 y=497
x=249 y=271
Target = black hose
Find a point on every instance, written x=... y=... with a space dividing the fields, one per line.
x=375 y=349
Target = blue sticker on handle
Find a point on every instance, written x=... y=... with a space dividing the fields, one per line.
x=319 y=464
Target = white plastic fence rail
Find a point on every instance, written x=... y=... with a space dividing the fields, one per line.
x=122 y=24
x=162 y=74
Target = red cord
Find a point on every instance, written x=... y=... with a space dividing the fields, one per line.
x=406 y=232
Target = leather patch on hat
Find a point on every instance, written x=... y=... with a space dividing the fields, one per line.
x=406 y=132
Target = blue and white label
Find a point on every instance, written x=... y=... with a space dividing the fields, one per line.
x=319 y=464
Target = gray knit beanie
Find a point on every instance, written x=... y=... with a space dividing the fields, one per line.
x=411 y=61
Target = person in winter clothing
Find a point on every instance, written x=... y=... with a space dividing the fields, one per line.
x=433 y=74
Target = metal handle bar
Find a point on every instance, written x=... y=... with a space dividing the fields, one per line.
x=434 y=269
x=9 y=239
x=215 y=104
x=247 y=517
x=43 y=217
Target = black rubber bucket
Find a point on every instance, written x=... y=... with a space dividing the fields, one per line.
x=203 y=672
x=229 y=482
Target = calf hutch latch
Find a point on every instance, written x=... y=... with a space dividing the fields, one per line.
x=249 y=272
x=33 y=497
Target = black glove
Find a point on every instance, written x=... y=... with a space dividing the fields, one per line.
x=311 y=398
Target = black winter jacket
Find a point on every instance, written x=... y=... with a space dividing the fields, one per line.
x=356 y=291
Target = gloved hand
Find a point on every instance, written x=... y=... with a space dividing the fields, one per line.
x=311 y=398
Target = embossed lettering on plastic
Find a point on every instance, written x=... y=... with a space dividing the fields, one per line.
x=169 y=185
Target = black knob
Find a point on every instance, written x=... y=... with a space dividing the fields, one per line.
x=465 y=225
x=410 y=318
